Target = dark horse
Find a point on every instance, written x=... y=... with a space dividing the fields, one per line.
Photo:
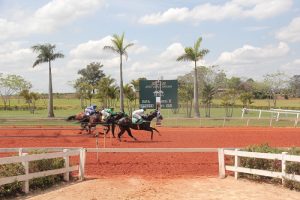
x=126 y=124
x=90 y=122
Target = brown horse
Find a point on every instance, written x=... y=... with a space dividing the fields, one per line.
x=86 y=122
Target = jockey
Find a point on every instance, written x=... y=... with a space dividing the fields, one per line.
x=107 y=113
x=138 y=114
x=90 y=110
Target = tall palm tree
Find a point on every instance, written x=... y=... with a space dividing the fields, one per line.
x=120 y=48
x=46 y=53
x=194 y=54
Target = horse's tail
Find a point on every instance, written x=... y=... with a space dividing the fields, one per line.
x=72 y=117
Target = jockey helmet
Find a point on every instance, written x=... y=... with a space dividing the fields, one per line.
x=94 y=106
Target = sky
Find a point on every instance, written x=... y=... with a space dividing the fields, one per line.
x=245 y=38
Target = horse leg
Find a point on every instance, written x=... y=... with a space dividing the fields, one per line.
x=122 y=130
x=106 y=130
x=113 y=129
x=129 y=133
x=151 y=134
x=156 y=131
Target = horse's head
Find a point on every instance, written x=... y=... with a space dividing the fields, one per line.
x=154 y=114
x=79 y=116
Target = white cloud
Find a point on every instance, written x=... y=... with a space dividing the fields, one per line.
x=92 y=51
x=290 y=33
x=12 y=57
x=253 y=61
x=172 y=52
x=291 y=68
x=48 y=18
x=253 y=55
x=233 y=9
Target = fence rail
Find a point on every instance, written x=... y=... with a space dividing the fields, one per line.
x=236 y=168
x=24 y=158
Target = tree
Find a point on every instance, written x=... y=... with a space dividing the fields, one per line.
x=194 y=54
x=47 y=54
x=106 y=90
x=130 y=95
x=84 y=91
x=119 y=47
x=246 y=99
x=294 y=85
x=207 y=97
x=11 y=84
x=136 y=88
x=228 y=101
x=185 y=93
x=30 y=98
x=92 y=73
x=275 y=83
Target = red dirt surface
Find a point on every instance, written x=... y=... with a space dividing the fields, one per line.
x=162 y=165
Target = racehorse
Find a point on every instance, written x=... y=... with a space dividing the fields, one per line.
x=92 y=121
x=126 y=124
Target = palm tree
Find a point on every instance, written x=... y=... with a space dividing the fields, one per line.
x=120 y=48
x=46 y=53
x=194 y=54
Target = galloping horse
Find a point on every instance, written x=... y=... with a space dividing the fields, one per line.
x=112 y=121
x=126 y=124
x=89 y=122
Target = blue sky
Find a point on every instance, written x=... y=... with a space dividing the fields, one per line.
x=247 y=38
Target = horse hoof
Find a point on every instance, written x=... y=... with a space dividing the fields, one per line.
x=119 y=139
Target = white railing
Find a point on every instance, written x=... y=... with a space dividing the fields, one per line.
x=25 y=158
x=274 y=111
x=236 y=168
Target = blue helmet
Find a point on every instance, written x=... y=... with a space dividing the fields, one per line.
x=94 y=106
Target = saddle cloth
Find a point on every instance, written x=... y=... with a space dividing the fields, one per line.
x=135 y=121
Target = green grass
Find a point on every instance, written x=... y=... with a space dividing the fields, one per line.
x=65 y=107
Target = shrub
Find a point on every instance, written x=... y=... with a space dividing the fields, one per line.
x=44 y=165
x=7 y=170
x=271 y=165
x=13 y=189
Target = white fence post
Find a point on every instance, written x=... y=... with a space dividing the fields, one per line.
x=283 y=166
x=296 y=120
x=82 y=156
x=26 y=169
x=20 y=151
x=221 y=163
x=236 y=164
x=259 y=116
x=277 y=118
x=67 y=165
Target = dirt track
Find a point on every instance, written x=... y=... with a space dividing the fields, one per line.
x=137 y=188
x=160 y=165
x=159 y=175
